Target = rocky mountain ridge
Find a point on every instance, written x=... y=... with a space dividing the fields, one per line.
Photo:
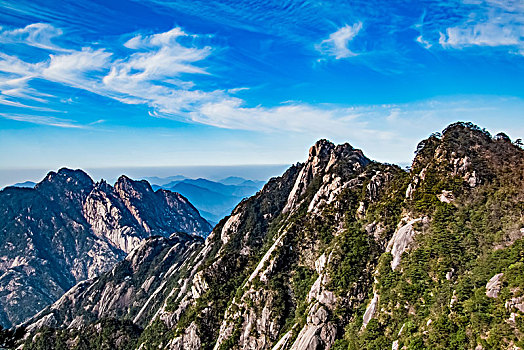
x=341 y=252
x=69 y=229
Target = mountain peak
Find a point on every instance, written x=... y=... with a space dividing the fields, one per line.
x=326 y=158
x=76 y=176
x=324 y=155
x=324 y=150
x=68 y=180
x=129 y=185
x=321 y=148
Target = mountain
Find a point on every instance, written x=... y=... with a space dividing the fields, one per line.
x=216 y=204
x=160 y=181
x=214 y=200
x=129 y=289
x=69 y=229
x=239 y=181
x=232 y=180
x=230 y=190
x=29 y=184
x=341 y=252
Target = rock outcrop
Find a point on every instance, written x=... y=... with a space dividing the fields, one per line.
x=494 y=285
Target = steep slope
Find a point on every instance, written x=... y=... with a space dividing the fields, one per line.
x=69 y=229
x=130 y=290
x=344 y=253
x=255 y=289
x=365 y=256
x=452 y=276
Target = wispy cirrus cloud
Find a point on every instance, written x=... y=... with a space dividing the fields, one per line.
x=337 y=42
x=43 y=120
x=148 y=75
x=39 y=35
x=294 y=117
x=478 y=23
x=151 y=74
x=493 y=33
x=156 y=72
x=168 y=38
x=73 y=68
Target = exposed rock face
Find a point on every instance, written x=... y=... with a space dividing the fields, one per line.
x=401 y=240
x=515 y=303
x=324 y=157
x=370 y=310
x=68 y=229
x=446 y=196
x=187 y=341
x=493 y=286
x=132 y=289
x=318 y=332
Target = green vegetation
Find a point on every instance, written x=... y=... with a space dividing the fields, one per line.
x=437 y=298
x=106 y=334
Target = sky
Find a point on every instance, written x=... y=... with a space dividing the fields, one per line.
x=157 y=83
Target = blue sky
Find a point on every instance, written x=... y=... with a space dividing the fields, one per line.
x=90 y=83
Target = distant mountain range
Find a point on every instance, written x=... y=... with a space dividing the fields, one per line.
x=213 y=199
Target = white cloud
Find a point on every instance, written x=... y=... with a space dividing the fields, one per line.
x=483 y=34
x=36 y=34
x=420 y=39
x=7 y=102
x=156 y=40
x=17 y=69
x=71 y=68
x=491 y=23
x=337 y=43
x=43 y=120
x=151 y=74
x=300 y=118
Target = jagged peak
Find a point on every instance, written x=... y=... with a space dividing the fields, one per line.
x=321 y=147
x=123 y=179
x=124 y=183
x=458 y=138
x=75 y=177
x=325 y=150
x=326 y=157
x=103 y=185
